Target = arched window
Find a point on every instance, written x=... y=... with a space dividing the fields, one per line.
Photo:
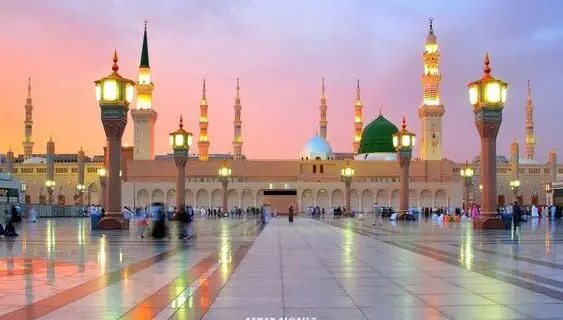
x=314 y=168
x=322 y=169
x=318 y=158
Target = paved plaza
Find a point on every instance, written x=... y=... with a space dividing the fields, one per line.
x=323 y=269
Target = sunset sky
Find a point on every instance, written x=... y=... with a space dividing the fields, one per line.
x=280 y=49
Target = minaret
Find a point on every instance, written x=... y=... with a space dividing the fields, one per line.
x=431 y=110
x=515 y=159
x=237 y=142
x=50 y=159
x=323 y=122
x=358 y=124
x=10 y=161
x=530 y=138
x=144 y=115
x=553 y=165
x=203 y=143
x=28 y=123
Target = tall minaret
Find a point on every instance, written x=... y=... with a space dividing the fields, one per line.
x=80 y=159
x=515 y=159
x=237 y=142
x=203 y=143
x=358 y=124
x=530 y=138
x=143 y=115
x=323 y=122
x=431 y=110
x=28 y=123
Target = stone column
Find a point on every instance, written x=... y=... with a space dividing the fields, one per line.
x=553 y=165
x=347 y=185
x=404 y=163
x=103 y=183
x=225 y=184
x=50 y=168
x=180 y=182
x=488 y=121
x=80 y=163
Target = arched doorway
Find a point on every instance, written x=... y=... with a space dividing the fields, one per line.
x=307 y=199
x=247 y=199
x=189 y=198
x=143 y=198
x=216 y=198
x=337 y=198
x=322 y=199
x=441 y=199
x=171 y=198
x=413 y=199
x=426 y=199
x=232 y=199
x=157 y=196
x=354 y=201
x=383 y=198
x=367 y=201
x=202 y=198
x=395 y=199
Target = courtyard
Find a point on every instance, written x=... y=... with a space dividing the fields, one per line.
x=316 y=269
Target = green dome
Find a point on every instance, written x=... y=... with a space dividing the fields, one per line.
x=378 y=136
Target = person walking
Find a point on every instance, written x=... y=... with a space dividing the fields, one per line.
x=516 y=214
x=291 y=210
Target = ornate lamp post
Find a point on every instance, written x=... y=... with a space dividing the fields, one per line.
x=80 y=189
x=467 y=176
x=224 y=176
x=50 y=184
x=346 y=175
x=515 y=186
x=114 y=93
x=181 y=141
x=403 y=141
x=487 y=96
x=102 y=175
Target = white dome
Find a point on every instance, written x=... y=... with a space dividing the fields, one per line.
x=35 y=160
x=317 y=148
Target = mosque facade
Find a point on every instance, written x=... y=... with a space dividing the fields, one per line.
x=314 y=174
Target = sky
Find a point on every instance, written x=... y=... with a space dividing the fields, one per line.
x=280 y=50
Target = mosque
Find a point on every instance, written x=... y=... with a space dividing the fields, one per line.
x=314 y=174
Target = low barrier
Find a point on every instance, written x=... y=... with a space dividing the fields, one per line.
x=47 y=211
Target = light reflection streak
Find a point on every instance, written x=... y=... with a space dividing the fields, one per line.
x=466 y=248
x=102 y=255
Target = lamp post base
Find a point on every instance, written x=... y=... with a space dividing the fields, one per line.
x=487 y=222
x=112 y=221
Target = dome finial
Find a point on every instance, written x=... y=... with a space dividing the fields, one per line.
x=181 y=125
x=238 y=89
x=29 y=87
x=115 y=67
x=529 y=90
x=380 y=111
x=146 y=21
x=323 y=88
x=431 y=30
x=487 y=68
x=204 y=90
x=404 y=123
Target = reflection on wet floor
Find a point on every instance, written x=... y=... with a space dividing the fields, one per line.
x=329 y=269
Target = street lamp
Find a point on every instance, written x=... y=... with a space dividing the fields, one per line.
x=515 y=186
x=346 y=175
x=80 y=189
x=467 y=175
x=224 y=173
x=181 y=141
x=103 y=179
x=50 y=184
x=114 y=94
x=487 y=96
x=403 y=141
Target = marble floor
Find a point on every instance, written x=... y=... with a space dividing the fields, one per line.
x=311 y=269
